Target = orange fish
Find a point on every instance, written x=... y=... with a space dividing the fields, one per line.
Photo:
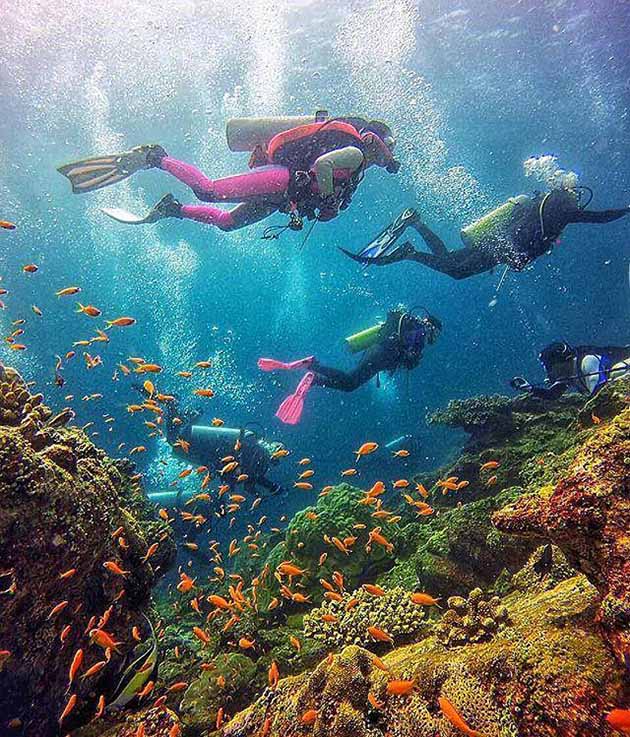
x=36 y=310
x=64 y=633
x=366 y=449
x=374 y=702
x=77 y=660
x=246 y=644
x=148 y=368
x=88 y=310
x=303 y=485
x=424 y=599
x=489 y=465
x=273 y=675
x=401 y=484
x=6 y=225
x=378 y=634
x=115 y=568
x=400 y=688
x=179 y=686
x=30 y=268
x=455 y=718
x=309 y=716
x=96 y=668
x=401 y=453
x=100 y=707
x=349 y=472
x=201 y=635
x=619 y=719
x=204 y=393
x=104 y=640
x=219 y=602
x=67 y=291
x=373 y=589
x=295 y=642
x=491 y=481
x=185 y=584
x=595 y=419
x=56 y=609
x=217 y=422
x=376 y=661
x=120 y=322
x=72 y=702
x=68 y=574
x=306 y=474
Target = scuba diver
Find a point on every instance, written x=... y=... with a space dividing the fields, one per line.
x=514 y=234
x=306 y=166
x=396 y=343
x=585 y=369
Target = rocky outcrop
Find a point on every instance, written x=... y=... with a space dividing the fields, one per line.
x=587 y=515
x=65 y=511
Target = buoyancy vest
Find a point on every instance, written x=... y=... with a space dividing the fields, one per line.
x=299 y=148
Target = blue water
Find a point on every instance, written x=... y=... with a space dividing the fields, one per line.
x=471 y=89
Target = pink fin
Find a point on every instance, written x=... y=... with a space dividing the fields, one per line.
x=290 y=411
x=270 y=364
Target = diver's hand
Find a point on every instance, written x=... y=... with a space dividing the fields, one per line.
x=521 y=384
x=328 y=208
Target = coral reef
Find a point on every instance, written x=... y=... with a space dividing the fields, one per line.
x=547 y=673
x=587 y=515
x=475 y=619
x=393 y=612
x=477 y=415
x=155 y=721
x=457 y=550
x=61 y=499
x=335 y=515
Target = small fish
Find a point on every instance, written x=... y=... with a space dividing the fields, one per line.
x=72 y=702
x=217 y=422
x=424 y=599
x=373 y=590
x=151 y=550
x=595 y=419
x=304 y=485
x=309 y=716
x=491 y=481
x=115 y=568
x=489 y=465
x=203 y=393
x=306 y=474
x=203 y=364
x=56 y=609
x=88 y=310
x=67 y=291
x=148 y=368
x=380 y=635
x=366 y=449
x=37 y=311
x=100 y=707
x=6 y=225
x=246 y=644
x=400 y=688
x=401 y=453
x=68 y=574
x=273 y=675
x=374 y=702
x=295 y=643
x=455 y=718
x=349 y=472
x=120 y=322
x=77 y=660
x=93 y=670
x=30 y=268
x=401 y=484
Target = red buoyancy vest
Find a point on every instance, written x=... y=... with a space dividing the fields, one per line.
x=299 y=148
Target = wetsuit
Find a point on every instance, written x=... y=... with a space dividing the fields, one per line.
x=523 y=243
x=589 y=370
x=330 y=173
x=392 y=352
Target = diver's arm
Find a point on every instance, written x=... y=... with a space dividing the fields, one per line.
x=597 y=216
x=349 y=158
x=551 y=392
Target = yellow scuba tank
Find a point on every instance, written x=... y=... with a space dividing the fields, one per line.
x=494 y=225
x=364 y=339
x=245 y=134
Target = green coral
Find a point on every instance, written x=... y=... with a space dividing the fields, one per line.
x=393 y=612
x=476 y=414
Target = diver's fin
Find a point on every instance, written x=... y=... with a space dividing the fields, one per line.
x=290 y=411
x=390 y=256
x=385 y=242
x=167 y=207
x=270 y=364
x=88 y=175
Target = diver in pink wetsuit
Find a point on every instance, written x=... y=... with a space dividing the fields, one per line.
x=309 y=170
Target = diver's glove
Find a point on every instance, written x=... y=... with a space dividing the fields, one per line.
x=328 y=208
x=521 y=384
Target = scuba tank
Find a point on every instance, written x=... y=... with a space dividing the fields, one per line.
x=364 y=339
x=494 y=225
x=246 y=134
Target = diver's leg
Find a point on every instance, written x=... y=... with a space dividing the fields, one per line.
x=458 y=264
x=345 y=381
x=260 y=182
x=244 y=214
x=435 y=243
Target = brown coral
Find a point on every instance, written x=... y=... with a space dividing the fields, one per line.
x=60 y=500
x=475 y=619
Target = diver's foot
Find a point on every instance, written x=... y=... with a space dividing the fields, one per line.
x=167 y=207
x=153 y=155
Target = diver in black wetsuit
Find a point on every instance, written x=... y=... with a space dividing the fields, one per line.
x=584 y=368
x=515 y=235
x=396 y=343
x=400 y=345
